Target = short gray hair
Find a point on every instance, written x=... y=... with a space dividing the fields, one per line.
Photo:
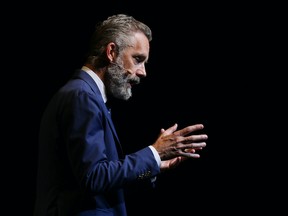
x=118 y=29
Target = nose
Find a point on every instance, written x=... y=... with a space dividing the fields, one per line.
x=141 y=72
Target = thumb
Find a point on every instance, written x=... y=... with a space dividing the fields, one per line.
x=170 y=130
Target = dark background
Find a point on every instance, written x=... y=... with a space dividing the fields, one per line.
x=207 y=65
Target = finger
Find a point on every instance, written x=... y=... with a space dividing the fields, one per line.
x=188 y=139
x=170 y=130
x=189 y=150
x=189 y=129
x=189 y=155
x=175 y=162
x=192 y=146
x=161 y=132
x=184 y=158
x=192 y=150
x=194 y=138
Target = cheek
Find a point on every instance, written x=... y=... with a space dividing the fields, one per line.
x=132 y=69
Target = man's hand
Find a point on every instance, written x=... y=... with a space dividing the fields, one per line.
x=175 y=145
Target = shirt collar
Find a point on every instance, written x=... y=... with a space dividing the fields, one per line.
x=97 y=80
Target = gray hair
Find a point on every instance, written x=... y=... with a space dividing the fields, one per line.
x=117 y=29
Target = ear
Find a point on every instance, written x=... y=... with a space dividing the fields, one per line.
x=111 y=51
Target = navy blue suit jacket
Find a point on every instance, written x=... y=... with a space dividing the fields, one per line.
x=81 y=168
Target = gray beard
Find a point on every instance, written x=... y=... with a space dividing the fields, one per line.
x=117 y=82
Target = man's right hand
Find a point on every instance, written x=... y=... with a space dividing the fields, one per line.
x=174 y=145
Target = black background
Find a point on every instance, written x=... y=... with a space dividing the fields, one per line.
x=205 y=64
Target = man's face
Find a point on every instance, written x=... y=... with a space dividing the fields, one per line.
x=128 y=68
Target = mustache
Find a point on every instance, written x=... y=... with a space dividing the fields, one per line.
x=133 y=80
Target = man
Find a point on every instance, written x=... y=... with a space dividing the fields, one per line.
x=82 y=169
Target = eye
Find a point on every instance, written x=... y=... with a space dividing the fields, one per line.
x=139 y=59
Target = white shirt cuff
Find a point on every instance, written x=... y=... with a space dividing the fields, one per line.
x=156 y=155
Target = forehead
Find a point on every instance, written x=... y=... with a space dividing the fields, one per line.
x=140 y=45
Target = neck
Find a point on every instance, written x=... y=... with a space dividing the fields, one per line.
x=99 y=72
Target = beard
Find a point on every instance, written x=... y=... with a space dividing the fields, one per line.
x=118 y=81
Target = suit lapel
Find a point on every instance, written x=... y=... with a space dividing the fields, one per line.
x=86 y=77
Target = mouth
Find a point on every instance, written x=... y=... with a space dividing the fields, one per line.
x=133 y=82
